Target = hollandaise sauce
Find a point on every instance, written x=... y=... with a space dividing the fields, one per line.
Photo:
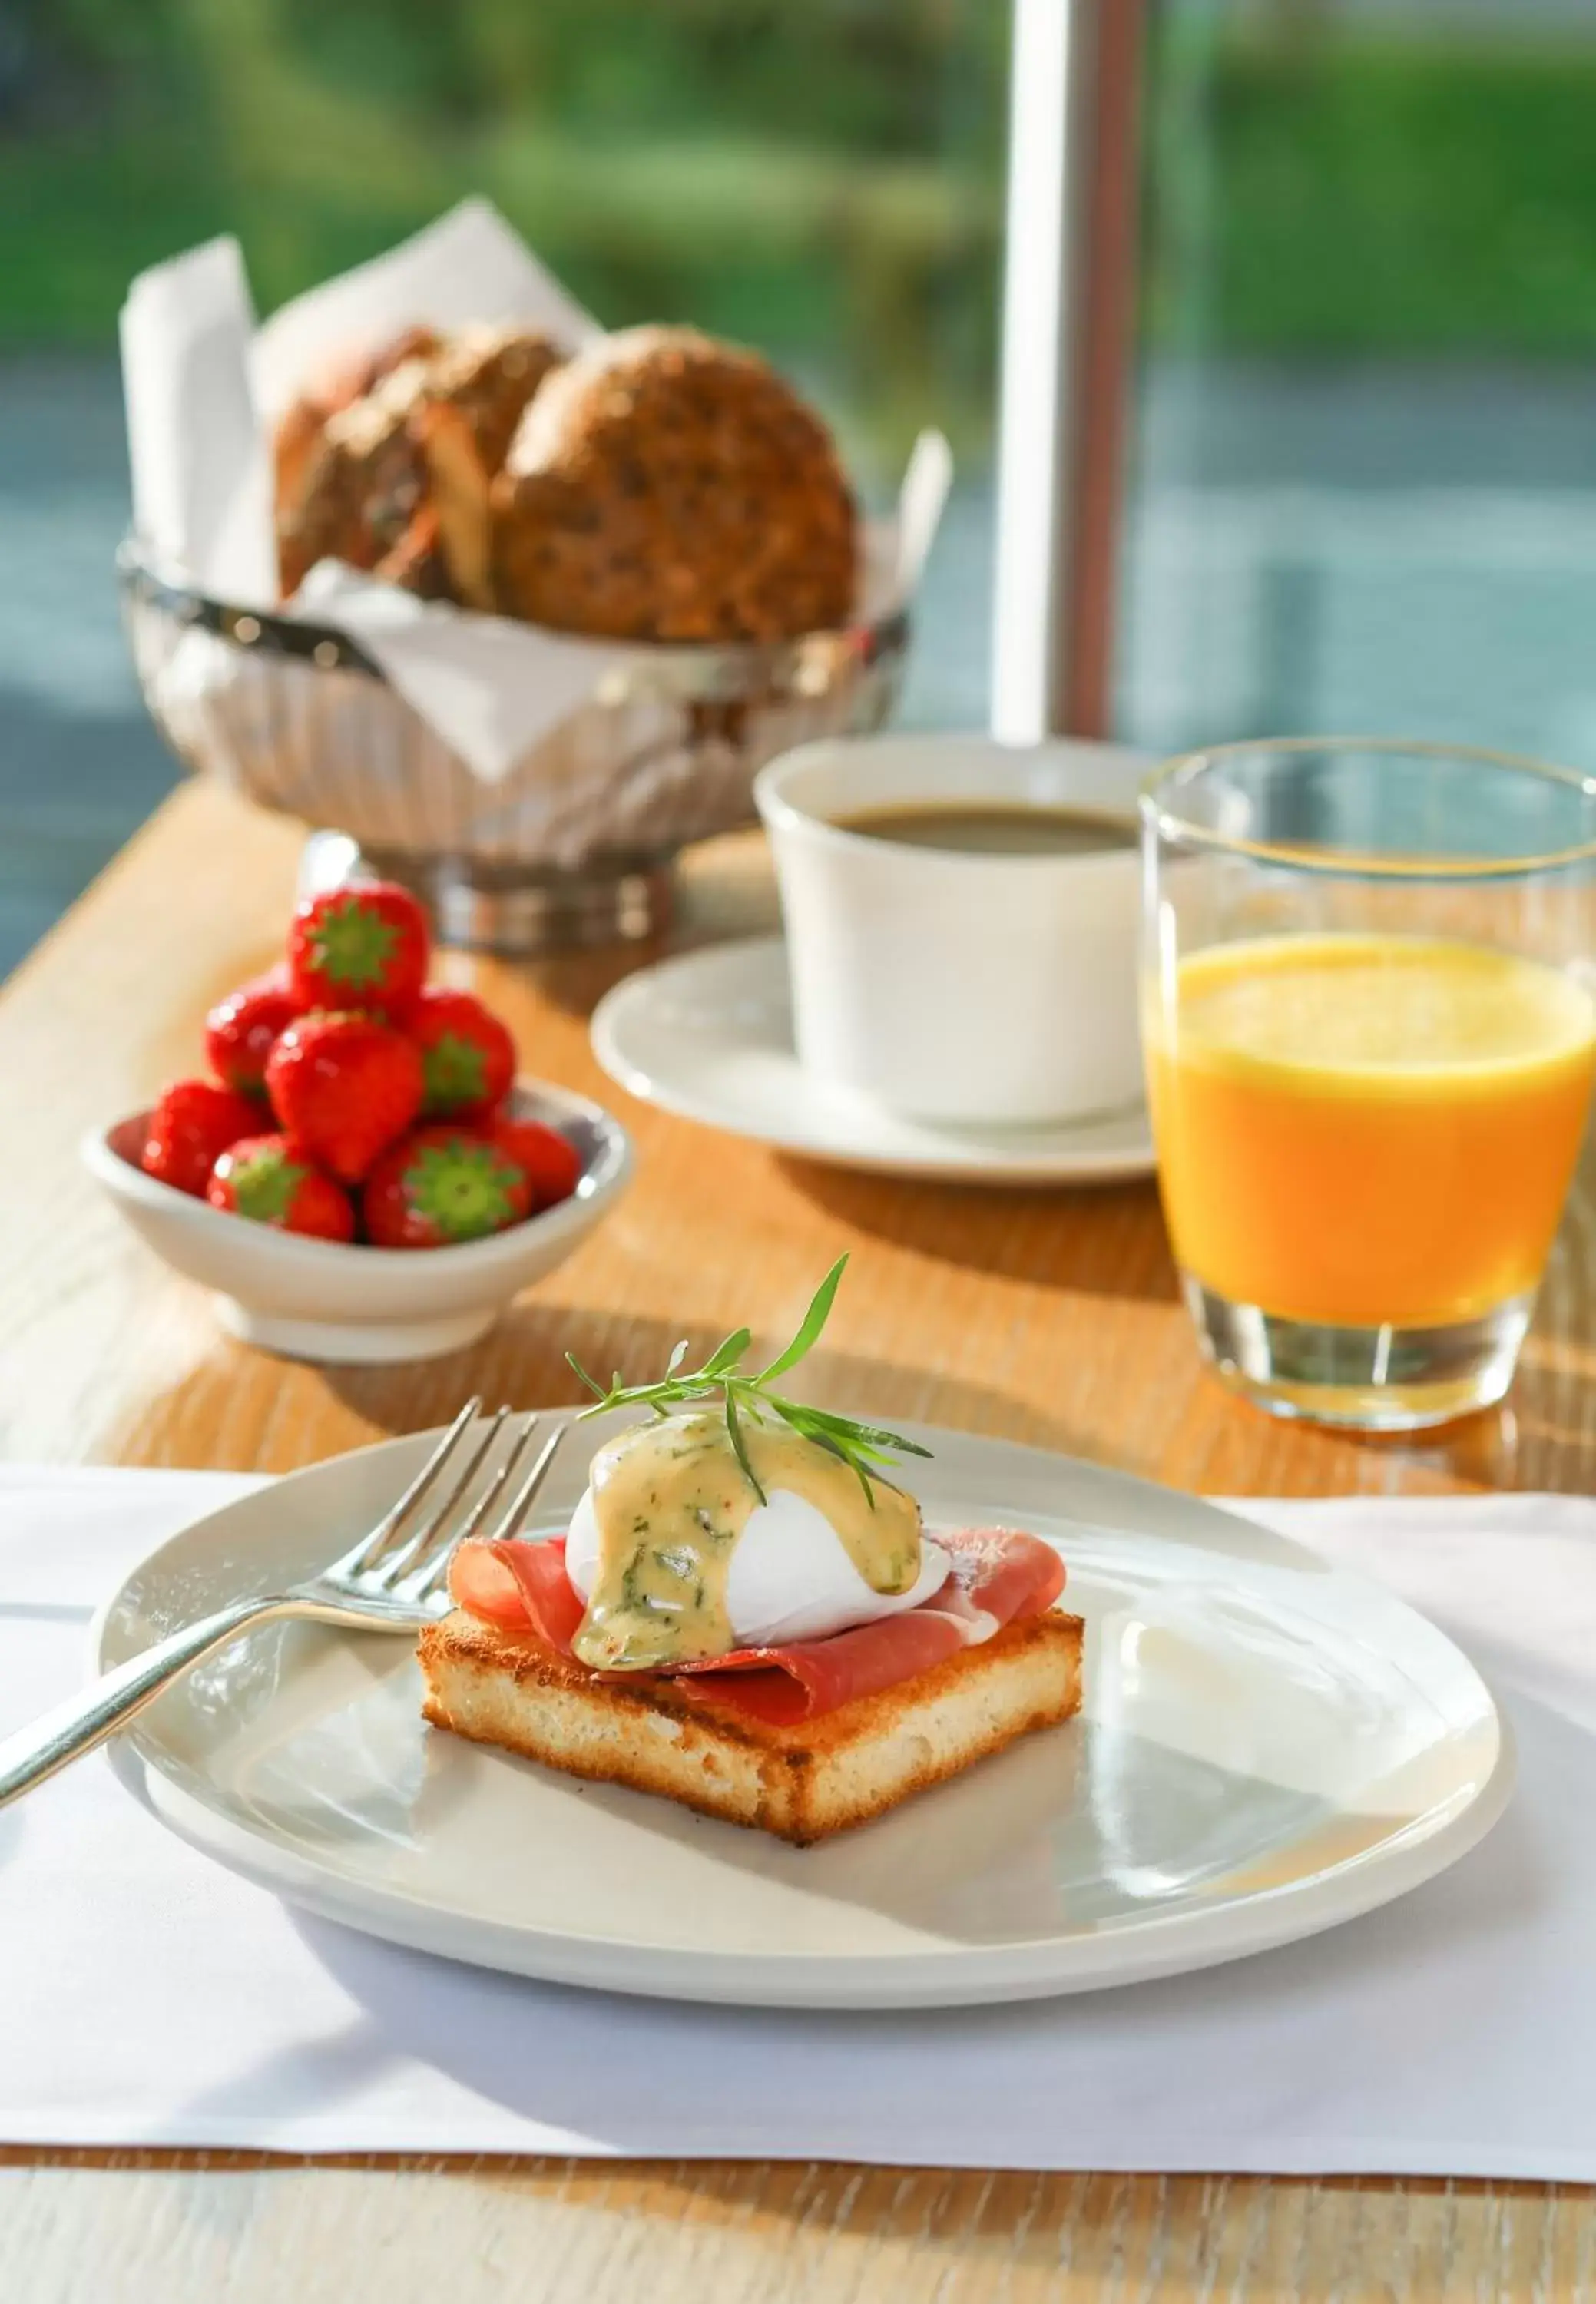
x=671 y=1501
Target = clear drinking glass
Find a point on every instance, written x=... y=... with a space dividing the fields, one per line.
x=1369 y=1011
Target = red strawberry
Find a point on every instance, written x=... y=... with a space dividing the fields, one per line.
x=549 y=1161
x=239 y=1030
x=467 y=1055
x=441 y=1185
x=190 y=1128
x=343 y=1087
x=261 y=1179
x=363 y=946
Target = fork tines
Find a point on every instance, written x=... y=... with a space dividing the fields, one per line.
x=403 y=1561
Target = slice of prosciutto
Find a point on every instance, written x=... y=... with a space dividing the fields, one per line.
x=999 y=1577
x=517 y=1587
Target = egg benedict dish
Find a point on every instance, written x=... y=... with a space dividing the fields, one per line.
x=748 y=1615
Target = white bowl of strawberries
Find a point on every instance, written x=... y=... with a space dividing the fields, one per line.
x=363 y=1178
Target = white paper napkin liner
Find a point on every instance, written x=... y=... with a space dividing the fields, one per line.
x=468 y=265
x=489 y=687
x=202 y=469
x=922 y=499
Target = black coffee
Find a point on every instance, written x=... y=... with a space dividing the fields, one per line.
x=979 y=828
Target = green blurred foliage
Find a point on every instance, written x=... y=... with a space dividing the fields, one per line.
x=824 y=179
x=1310 y=192
x=820 y=177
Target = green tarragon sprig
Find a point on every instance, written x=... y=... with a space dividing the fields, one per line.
x=749 y=1397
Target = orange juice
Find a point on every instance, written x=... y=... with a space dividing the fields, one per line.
x=1364 y=1129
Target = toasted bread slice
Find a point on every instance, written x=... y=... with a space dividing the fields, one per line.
x=802 y=1782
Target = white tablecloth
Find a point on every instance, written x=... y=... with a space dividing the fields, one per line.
x=150 y=1997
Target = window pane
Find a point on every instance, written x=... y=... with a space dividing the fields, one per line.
x=823 y=181
x=1364 y=483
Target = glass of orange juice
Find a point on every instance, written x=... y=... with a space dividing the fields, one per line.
x=1369 y=1016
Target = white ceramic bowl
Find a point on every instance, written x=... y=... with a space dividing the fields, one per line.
x=317 y=1299
x=963 y=989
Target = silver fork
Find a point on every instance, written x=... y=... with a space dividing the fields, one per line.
x=390 y=1581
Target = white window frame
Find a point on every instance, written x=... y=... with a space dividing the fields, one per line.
x=1069 y=293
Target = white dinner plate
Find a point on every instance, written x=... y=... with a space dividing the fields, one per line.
x=710 y=1035
x=1268 y=1748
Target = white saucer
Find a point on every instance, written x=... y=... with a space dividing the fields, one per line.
x=710 y=1036
x=1267 y=1748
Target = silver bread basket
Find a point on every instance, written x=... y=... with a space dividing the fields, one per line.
x=574 y=845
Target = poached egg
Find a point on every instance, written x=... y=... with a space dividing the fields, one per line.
x=789 y=1578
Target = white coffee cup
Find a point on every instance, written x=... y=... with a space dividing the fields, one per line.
x=956 y=985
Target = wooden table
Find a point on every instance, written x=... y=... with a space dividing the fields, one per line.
x=1049 y=1316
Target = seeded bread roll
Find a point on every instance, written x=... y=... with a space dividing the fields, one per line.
x=303 y=424
x=420 y=561
x=662 y=486
x=364 y=484
x=489 y=375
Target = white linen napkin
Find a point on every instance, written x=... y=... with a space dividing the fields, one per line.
x=152 y=1998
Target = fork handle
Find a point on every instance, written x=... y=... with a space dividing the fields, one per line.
x=97 y=1712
